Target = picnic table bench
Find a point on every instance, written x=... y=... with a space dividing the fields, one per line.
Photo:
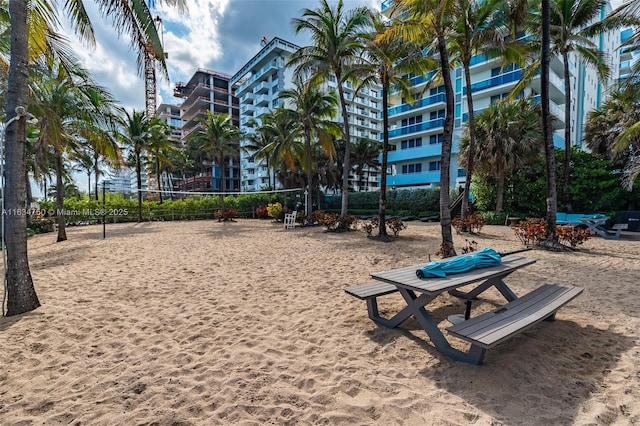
x=484 y=331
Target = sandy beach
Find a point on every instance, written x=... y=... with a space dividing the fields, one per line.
x=202 y=323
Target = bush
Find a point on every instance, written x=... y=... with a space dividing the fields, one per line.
x=42 y=225
x=262 y=212
x=533 y=231
x=472 y=223
x=396 y=225
x=334 y=222
x=494 y=218
x=275 y=210
x=226 y=214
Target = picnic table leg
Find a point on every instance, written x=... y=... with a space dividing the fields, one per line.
x=416 y=305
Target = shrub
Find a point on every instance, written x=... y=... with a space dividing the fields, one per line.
x=533 y=231
x=225 y=214
x=396 y=225
x=262 y=212
x=334 y=222
x=472 y=223
x=274 y=210
x=494 y=218
x=42 y=225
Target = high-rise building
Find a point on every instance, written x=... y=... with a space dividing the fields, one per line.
x=416 y=130
x=257 y=85
x=208 y=91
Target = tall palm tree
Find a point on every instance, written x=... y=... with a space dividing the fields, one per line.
x=336 y=36
x=390 y=60
x=511 y=138
x=68 y=104
x=479 y=26
x=427 y=22
x=219 y=138
x=570 y=32
x=364 y=154
x=313 y=109
x=286 y=147
x=134 y=21
x=258 y=140
x=160 y=149
x=135 y=134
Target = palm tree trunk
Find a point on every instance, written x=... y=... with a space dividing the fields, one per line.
x=546 y=126
x=346 y=163
x=21 y=294
x=500 y=192
x=139 y=182
x=307 y=197
x=382 y=205
x=29 y=195
x=567 y=134
x=445 y=159
x=472 y=142
x=62 y=232
x=96 y=171
x=223 y=183
x=89 y=182
x=158 y=179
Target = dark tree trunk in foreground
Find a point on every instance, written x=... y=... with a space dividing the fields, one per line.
x=21 y=294
x=62 y=232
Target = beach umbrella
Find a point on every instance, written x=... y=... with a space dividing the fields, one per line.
x=481 y=259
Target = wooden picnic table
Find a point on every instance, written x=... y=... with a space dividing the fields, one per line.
x=483 y=331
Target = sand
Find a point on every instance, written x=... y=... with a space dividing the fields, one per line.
x=202 y=323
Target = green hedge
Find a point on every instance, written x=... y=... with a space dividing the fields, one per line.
x=403 y=202
x=119 y=209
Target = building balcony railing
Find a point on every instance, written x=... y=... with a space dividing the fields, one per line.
x=417 y=80
x=422 y=178
x=431 y=100
x=498 y=80
x=247 y=98
x=386 y=4
x=262 y=100
x=258 y=74
x=415 y=128
x=247 y=109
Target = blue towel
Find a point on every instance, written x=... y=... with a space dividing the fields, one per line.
x=481 y=259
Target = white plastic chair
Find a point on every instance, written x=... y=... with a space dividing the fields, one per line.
x=290 y=220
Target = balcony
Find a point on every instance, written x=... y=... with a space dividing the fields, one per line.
x=425 y=151
x=431 y=100
x=247 y=98
x=556 y=87
x=415 y=128
x=262 y=100
x=416 y=81
x=493 y=82
x=557 y=112
x=262 y=88
x=247 y=109
x=422 y=178
x=386 y=4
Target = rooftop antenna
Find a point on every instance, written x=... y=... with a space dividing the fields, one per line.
x=264 y=41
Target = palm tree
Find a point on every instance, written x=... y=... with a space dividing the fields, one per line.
x=258 y=140
x=160 y=149
x=286 y=149
x=570 y=32
x=364 y=154
x=336 y=35
x=134 y=21
x=314 y=110
x=426 y=22
x=479 y=26
x=135 y=134
x=389 y=61
x=511 y=138
x=68 y=104
x=219 y=138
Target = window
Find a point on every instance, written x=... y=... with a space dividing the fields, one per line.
x=436 y=90
x=434 y=166
x=411 y=143
x=250 y=182
x=251 y=171
x=411 y=168
x=435 y=139
x=412 y=120
x=251 y=159
x=374 y=93
x=436 y=114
